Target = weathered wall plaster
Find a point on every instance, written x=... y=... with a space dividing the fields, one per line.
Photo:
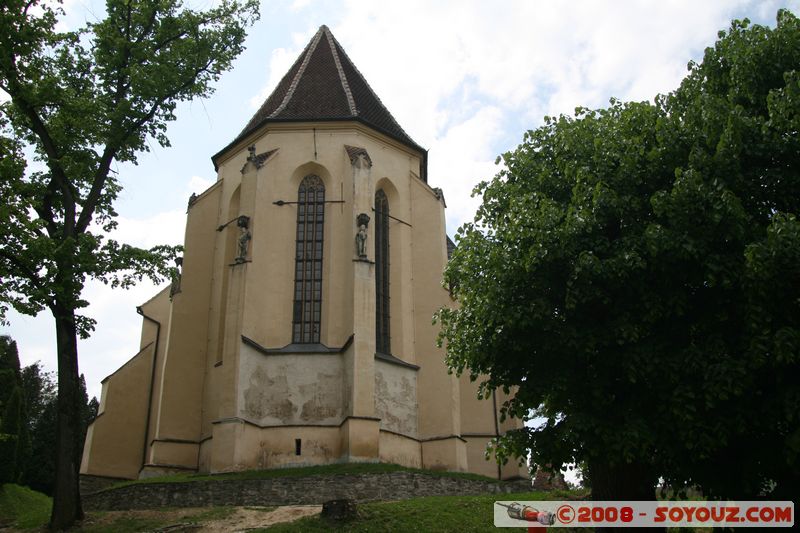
x=396 y=398
x=291 y=389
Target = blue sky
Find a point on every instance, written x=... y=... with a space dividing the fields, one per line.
x=465 y=79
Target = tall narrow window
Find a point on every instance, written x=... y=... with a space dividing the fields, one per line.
x=308 y=261
x=382 y=337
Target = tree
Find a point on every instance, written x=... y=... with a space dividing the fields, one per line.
x=633 y=275
x=15 y=443
x=79 y=102
x=41 y=398
x=10 y=430
x=40 y=391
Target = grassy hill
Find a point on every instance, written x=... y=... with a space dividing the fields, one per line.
x=322 y=470
x=462 y=514
x=23 y=508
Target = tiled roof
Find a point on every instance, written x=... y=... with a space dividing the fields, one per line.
x=323 y=84
x=451 y=246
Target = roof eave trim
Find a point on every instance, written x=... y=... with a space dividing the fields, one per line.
x=414 y=146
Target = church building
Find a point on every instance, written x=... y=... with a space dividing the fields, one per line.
x=299 y=331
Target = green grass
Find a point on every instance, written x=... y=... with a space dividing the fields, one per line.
x=23 y=508
x=322 y=470
x=431 y=514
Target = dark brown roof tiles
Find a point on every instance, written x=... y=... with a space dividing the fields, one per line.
x=323 y=84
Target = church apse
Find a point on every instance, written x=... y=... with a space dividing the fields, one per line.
x=301 y=334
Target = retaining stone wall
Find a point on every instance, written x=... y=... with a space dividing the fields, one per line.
x=293 y=491
x=89 y=483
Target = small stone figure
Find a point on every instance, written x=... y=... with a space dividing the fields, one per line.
x=361 y=242
x=244 y=239
x=192 y=200
x=361 y=237
x=175 y=286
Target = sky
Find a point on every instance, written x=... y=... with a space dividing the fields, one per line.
x=465 y=79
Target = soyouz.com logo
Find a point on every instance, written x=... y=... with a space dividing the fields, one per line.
x=644 y=514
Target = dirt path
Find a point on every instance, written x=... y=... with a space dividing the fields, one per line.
x=248 y=518
x=206 y=520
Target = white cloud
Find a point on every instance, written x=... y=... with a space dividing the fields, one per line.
x=280 y=61
x=462 y=158
x=198 y=184
x=162 y=228
x=298 y=5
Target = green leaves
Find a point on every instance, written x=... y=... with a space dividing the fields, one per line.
x=79 y=101
x=633 y=272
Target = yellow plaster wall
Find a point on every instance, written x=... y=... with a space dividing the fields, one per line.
x=400 y=450
x=445 y=454
x=275 y=447
x=438 y=392
x=157 y=308
x=115 y=441
x=184 y=365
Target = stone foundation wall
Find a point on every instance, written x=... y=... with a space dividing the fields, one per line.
x=89 y=483
x=294 y=491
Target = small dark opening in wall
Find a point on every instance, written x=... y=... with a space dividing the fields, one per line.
x=298 y=443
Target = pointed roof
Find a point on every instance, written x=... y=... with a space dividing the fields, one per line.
x=323 y=84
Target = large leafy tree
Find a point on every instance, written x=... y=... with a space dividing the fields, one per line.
x=634 y=275
x=80 y=101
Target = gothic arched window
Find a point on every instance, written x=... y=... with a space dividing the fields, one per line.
x=308 y=261
x=382 y=336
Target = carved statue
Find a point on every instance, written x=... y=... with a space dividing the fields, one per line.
x=361 y=242
x=361 y=237
x=244 y=241
x=244 y=238
x=175 y=286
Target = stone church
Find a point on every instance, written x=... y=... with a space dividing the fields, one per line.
x=299 y=330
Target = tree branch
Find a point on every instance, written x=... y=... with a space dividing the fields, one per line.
x=38 y=127
x=25 y=271
x=110 y=151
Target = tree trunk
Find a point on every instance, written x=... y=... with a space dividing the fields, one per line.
x=618 y=482
x=627 y=481
x=66 y=496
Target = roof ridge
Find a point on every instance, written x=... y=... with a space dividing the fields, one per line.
x=369 y=87
x=340 y=70
x=308 y=52
x=309 y=91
